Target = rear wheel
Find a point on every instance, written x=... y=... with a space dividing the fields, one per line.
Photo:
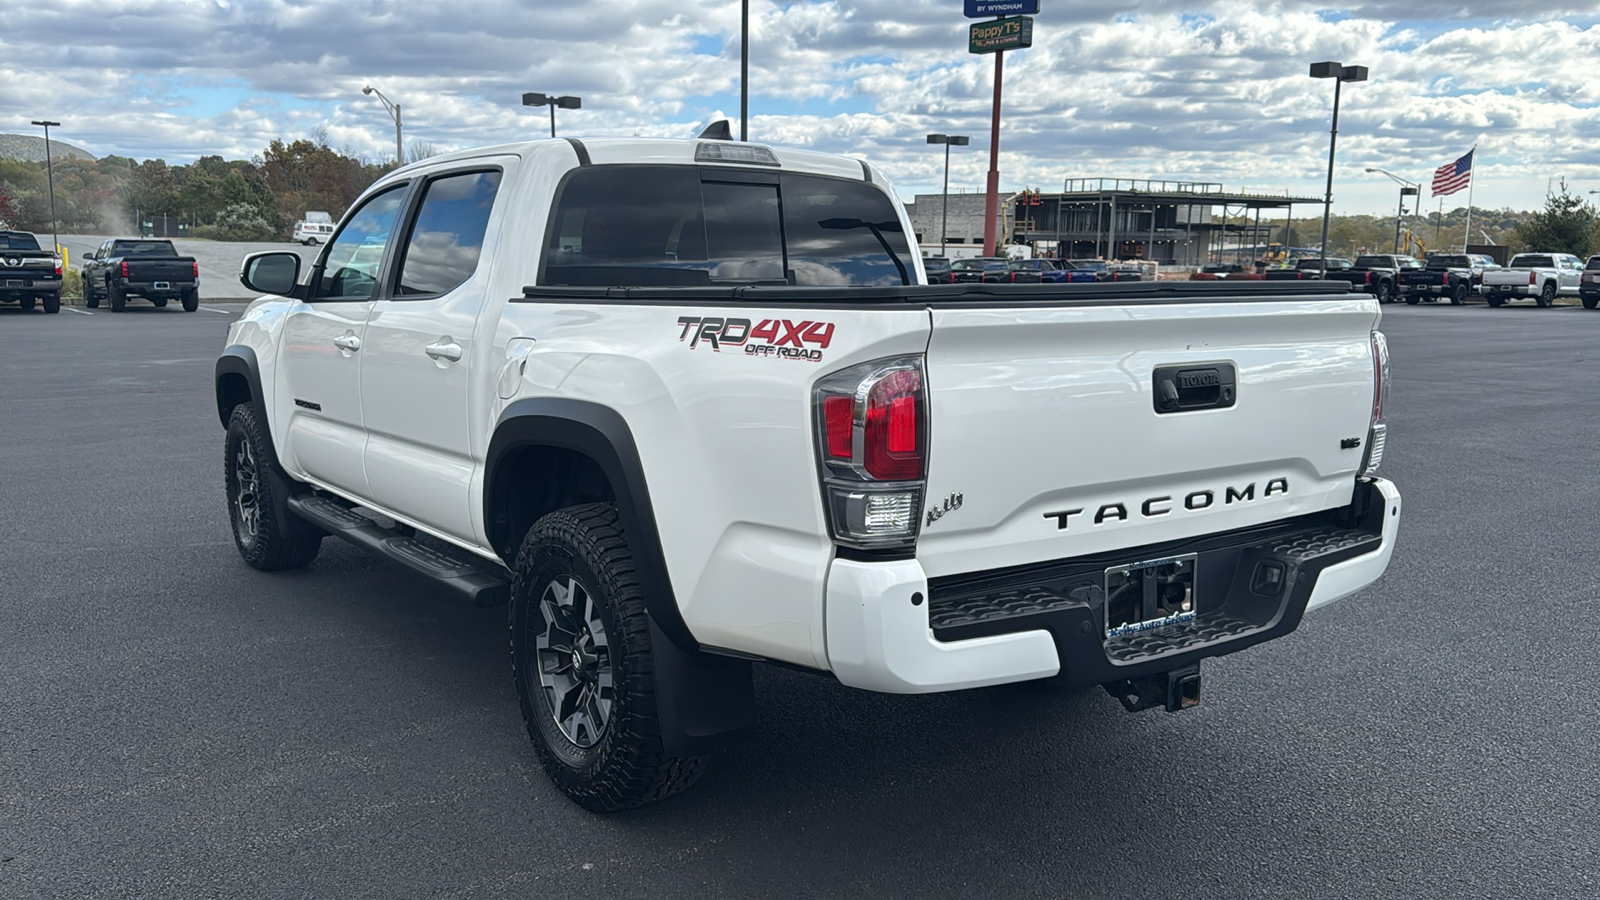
x=191 y=300
x=1547 y=296
x=580 y=651
x=1459 y=295
x=52 y=303
x=265 y=541
x=1385 y=292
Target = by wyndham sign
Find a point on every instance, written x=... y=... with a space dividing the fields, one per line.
x=977 y=9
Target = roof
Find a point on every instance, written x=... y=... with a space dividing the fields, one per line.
x=617 y=150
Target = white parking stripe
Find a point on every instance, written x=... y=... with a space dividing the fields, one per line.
x=223 y=311
x=81 y=312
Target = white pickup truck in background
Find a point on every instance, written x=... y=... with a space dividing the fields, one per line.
x=1540 y=276
x=687 y=407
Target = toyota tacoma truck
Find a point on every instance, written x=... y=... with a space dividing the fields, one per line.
x=687 y=407
x=152 y=269
x=1540 y=276
x=28 y=275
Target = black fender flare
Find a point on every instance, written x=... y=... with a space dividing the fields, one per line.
x=239 y=360
x=602 y=434
x=704 y=700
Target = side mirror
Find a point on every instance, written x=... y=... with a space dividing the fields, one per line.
x=272 y=272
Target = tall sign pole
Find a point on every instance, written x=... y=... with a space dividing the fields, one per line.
x=1008 y=32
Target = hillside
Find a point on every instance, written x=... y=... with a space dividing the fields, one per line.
x=30 y=147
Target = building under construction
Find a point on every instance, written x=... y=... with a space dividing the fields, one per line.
x=1184 y=223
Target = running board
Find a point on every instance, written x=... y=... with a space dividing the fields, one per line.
x=479 y=583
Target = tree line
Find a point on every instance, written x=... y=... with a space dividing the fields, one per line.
x=258 y=199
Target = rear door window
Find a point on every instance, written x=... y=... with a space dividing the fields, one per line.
x=686 y=225
x=447 y=237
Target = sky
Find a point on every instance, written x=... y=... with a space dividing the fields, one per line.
x=1193 y=91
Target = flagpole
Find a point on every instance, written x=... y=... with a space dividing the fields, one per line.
x=1471 y=183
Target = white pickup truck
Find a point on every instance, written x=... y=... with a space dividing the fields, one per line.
x=1541 y=276
x=687 y=407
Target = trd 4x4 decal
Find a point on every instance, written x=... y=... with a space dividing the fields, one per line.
x=781 y=338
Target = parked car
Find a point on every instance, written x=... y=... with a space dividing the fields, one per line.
x=312 y=233
x=152 y=269
x=28 y=274
x=981 y=270
x=1310 y=267
x=1382 y=273
x=936 y=270
x=1104 y=271
x=1589 y=283
x=1452 y=275
x=1048 y=271
x=901 y=489
x=1541 y=276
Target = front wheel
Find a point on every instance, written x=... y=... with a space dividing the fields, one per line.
x=1547 y=296
x=580 y=652
x=115 y=298
x=91 y=299
x=264 y=540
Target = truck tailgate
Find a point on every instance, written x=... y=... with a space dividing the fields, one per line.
x=176 y=271
x=1046 y=441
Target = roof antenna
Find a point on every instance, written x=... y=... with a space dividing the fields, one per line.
x=719 y=130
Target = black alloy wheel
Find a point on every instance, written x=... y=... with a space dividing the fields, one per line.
x=1547 y=295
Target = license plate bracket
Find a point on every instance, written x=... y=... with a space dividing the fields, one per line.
x=15 y=283
x=1150 y=594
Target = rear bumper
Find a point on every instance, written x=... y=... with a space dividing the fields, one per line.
x=150 y=289
x=1513 y=290
x=889 y=629
x=29 y=286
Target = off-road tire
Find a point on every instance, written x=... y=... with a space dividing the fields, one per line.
x=91 y=298
x=626 y=765
x=51 y=303
x=115 y=298
x=1385 y=292
x=1459 y=295
x=1547 y=295
x=191 y=301
x=1590 y=301
x=272 y=546
x=26 y=302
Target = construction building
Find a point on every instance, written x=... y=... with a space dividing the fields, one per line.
x=1185 y=223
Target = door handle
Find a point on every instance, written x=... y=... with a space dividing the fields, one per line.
x=444 y=348
x=348 y=342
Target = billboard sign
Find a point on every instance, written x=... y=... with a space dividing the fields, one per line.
x=978 y=9
x=1011 y=33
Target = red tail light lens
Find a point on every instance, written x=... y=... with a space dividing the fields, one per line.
x=892 y=450
x=1531 y=277
x=124 y=268
x=197 y=269
x=838 y=418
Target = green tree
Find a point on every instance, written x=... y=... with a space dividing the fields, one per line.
x=1567 y=224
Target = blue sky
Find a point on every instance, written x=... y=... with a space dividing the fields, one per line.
x=1195 y=90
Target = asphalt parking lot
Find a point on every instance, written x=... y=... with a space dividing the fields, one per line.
x=219 y=260
x=174 y=724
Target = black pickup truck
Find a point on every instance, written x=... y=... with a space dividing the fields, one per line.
x=28 y=275
x=1382 y=273
x=121 y=268
x=1453 y=275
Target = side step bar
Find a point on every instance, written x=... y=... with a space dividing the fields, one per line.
x=482 y=584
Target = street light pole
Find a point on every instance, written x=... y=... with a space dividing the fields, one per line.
x=1407 y=189
x=50 y=176
x=394 y=113
x=1340 y=74
x=948 y=140
x=534 y=99
x=744 y=70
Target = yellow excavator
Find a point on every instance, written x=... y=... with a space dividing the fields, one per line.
x=1422 y=248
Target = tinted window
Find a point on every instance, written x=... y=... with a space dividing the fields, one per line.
x=1408 y=262
x=18 y=242
x=841 y=232
x=350 y=267
x=1594 y=263
x=447 y=237
x=659 y=225
x=143 y=248
x=1374 y=262
x=1532 y=261
x=1447 y=262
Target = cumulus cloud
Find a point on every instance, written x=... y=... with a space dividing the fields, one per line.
x=1206 y=91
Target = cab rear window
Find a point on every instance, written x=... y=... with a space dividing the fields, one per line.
x=625 y=226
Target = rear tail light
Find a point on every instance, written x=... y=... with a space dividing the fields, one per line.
x=1532 y=277
x=872 y=424
x=197 y=268
x=1369 y=278
x=58 y=266
x=124 y=268
x=1378 y=433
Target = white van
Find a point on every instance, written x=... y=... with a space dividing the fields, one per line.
x=312 y=233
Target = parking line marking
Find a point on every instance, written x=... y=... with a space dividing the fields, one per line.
x=222 y=311
x=81 y=312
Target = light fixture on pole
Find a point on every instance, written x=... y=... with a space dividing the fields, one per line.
x=394 y=113
x=532 y=99
x=1407 y=189
x=50 y=175
x=948 y=140
x=1340 y=74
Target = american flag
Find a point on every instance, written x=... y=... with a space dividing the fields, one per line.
x=1452 y=177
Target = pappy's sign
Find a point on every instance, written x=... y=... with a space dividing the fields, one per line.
x=1013 y=33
